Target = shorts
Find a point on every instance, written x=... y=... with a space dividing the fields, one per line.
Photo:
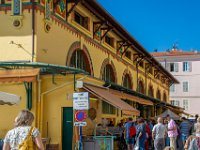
x=184 y=137
x=130 y=141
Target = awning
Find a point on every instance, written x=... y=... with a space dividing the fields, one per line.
x=10 y=99
x=133 y=98
x=19 y=75
x=105 y=95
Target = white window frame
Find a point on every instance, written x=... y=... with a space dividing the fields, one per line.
x=185 y=104
x=175 y=67
x=172 y=88
x=185 y=86
x=186 y=66
x=175 y=102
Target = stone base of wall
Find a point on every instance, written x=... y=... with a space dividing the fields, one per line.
x=52 y=147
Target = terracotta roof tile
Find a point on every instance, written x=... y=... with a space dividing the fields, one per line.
x=173 y=53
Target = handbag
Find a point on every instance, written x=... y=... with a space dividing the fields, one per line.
x=28 y=143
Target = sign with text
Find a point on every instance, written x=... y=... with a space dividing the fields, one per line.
x=80 y=123
x=81 y=101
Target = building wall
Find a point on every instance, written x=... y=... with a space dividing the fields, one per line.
x=15 y=44
x=192 y=78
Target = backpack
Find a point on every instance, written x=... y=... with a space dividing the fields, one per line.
x=27 y=144
x=132 y=131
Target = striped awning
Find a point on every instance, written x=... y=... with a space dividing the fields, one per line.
x=104 y=94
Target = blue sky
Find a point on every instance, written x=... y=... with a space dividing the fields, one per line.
x=158 y=24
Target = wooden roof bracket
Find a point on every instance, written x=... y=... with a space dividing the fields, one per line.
x=156 y=73
x=72 y=8
x=136 y=56
x=109 y=28
x=126 y=46
x=121 y=44
x=100 y=25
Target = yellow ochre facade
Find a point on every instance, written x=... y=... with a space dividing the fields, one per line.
x=78 y=34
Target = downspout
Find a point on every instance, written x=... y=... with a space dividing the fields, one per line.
x=33 y=30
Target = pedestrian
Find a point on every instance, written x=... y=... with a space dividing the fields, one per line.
x=141 y=133
x=158 y=134
x=197 y=127
x=167 y=140
x=23 y=127
x=185 y=128
x=172 y=132
x=129 y=139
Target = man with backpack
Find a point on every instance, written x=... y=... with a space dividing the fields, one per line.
x=130 y=132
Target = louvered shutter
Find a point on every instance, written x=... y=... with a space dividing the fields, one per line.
x=190 y=66
x=176 y=67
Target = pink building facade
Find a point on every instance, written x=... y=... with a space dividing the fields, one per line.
x=185 y=66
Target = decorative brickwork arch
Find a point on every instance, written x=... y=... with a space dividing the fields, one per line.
x=81 y=56
x=150 y=90
x=158 y=94
x=164 y=97
x=141 y=88
x=127 y=80
x=108 y=71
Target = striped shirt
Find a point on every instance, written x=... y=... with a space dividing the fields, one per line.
x=185 y=127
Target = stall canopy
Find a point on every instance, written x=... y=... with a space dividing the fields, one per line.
x=19 y=75
x=130 y=97
x=10 y=99
x=171 y=113
x=105 y=95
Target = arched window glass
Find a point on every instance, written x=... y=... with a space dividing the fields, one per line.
x=79 y=60
x=150 y=91
x=108 y=74
x=141 y=87
x=127 y=82
x=158 y=96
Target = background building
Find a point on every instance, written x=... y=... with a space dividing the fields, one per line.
x=185 y=68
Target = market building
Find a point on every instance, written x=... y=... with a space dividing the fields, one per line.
x=184 y=66
x=51 y=49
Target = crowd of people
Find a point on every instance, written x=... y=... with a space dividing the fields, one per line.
x=165 y=134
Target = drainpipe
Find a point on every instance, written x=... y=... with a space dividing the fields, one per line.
x=42 y=99
x=33 y=30
x=38 y=102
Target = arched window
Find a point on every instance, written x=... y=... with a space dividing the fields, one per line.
x=79 y=60
x=158 y=95
x=164 y=97
x=150 y=91
x=108 y=74
x=127 y=82
x=141 y=87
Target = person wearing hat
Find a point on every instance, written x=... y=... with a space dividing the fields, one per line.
x=172 y=132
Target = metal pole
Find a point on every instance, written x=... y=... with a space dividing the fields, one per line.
x=80 y=141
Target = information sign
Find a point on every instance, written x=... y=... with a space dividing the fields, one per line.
x=81 y=101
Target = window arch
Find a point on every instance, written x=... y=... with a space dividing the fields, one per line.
x=108 y=73
x=158 y=95
x=141 y=87
x=127 y=83
x=79 y=60
x=150 y=91
x=164 y=97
